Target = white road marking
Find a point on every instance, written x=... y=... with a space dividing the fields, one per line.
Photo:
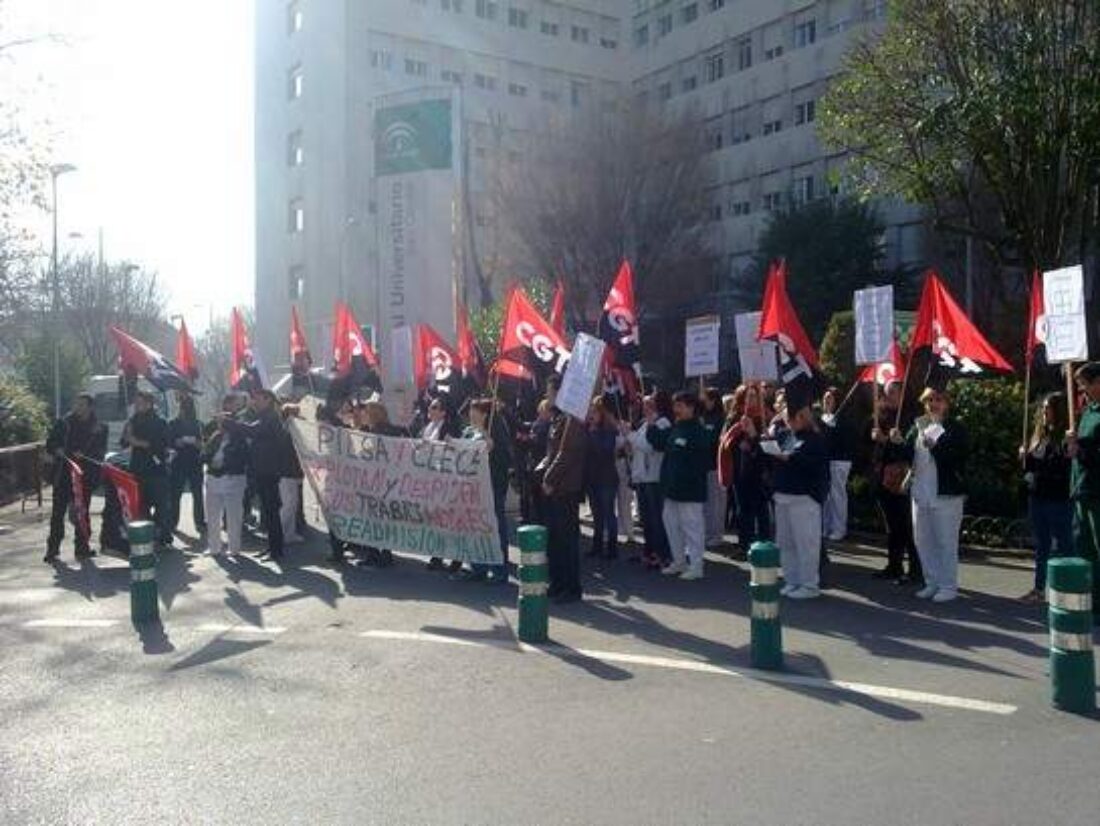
x=221 y=628
x=70 y=623
x=695 y=666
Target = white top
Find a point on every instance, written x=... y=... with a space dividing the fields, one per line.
x=645 y=462
x=925 y=489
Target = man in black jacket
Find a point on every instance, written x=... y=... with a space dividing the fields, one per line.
x=78 y=436
x=267 y=455
x=147 y=437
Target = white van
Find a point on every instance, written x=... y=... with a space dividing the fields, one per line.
x=112 y=408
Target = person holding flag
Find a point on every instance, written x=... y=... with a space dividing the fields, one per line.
x=75 y=439
x=1083 y=446
x=185 y=462
x=146 y=435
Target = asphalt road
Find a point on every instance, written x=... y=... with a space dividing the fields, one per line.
x=309 y=695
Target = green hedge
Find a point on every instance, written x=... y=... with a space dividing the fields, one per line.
x=22 y=414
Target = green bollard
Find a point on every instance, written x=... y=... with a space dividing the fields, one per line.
x=767 y=632
x=143 y=573
x=534 y=575
x=1072 y=667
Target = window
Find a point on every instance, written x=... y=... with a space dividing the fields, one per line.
x=715 y=5
x=688 y=84
x=517 y=89
x=773 y=201
x=451 y=76
x=579 y=33
x=664 y=91
x=609 y=43
x=486 y=9
x=294 y=83
x=381 y=59
x=689 y=12
x=451 y=5
x=773 y=126
x=641 y=35
x=805 y=34
x=550 y=95
x=487 y=82
x=517 y=18
x=738 y=208
x=773 y=53
x=296 y=283
x=294 y=17
x=417 y=68
x=715 y=67
x=548 y=28
x=716 y=212
x=664 y=24
x=716 y=138
x=576 y=92
x=805 y=112
x=744 y=53
x=295 y=156
x=296 y=216
x=804 y=189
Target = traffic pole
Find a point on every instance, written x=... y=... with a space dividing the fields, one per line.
x=143 y=572
x=534 y=575
x=767 y=632
x=1072 y=665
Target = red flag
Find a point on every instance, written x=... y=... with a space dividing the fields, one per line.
x=300 y=358
x=138 y=359
x=779 y=321
x=470 y=360
x=557 y=309
x=349 y=343
x=80 y=505
x=185 y=353
x=128 y=490
x=527 y=334
x=956 y=343
x=886 y=371
x=240 y=359
x=1036 y=319
x=618 y=324
x=434 y=360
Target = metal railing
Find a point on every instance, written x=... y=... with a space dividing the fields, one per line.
x=22 y=473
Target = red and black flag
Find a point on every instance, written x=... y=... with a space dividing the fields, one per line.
x=138 y=359
x=618 y=324
x=470 y=360
x=127 y=488
x=1036 y=320
x=435 y=362
x=300 y=359
x=779 y=322
x=81 y=519
x=885 y=372
x=956 y=346
x=557 y=309
x=353 y=358
x=528 y=342
x=185 y=353
x=244 y=369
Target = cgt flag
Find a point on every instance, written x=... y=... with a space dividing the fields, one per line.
x=779 y=323
x=528 y=341
x=300 y=359
x=353 y=358
x=435 y=363
x=138 y=359
x=185 y=353
x=557 y=309
x=885 y=372
x=618 y=324
x=244 y=372
x=1036 y=320
x=128 y=490
x=81 y=519
x=956 y=345
x=470 y=360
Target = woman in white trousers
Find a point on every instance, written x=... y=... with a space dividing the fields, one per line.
x=226 y=460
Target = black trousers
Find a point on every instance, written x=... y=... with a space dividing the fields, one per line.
x=62 y=498
x=897 y=512
x=190 y=478
x=267 y=489
x=155 y=504
x=563 y=544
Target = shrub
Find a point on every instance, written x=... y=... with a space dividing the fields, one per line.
x=22 y=415
x=992 y=412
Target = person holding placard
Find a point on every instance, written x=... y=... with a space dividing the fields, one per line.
x=937 y=446
x=890 y=469
x=837 y=428
x=711 y=416
x=645 y=473
x=1083 y=446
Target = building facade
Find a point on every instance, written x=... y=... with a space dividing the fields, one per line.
x=753 y=70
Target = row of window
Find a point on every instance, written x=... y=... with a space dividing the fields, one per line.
x=803 y=191
x=520 y=18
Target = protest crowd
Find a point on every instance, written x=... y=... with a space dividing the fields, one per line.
x=664 y=474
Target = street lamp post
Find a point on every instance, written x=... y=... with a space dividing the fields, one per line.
x=56 y=171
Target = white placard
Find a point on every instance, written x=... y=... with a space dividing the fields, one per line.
x=874 y=312
x=759 y=361
x=579 y=382
x=1064 y=307
x=401 y=357
x=701 y=346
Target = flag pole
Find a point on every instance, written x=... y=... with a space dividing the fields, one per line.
x=904 y=390
x=1027 y=398
x=1071 y=397
x=848 y=397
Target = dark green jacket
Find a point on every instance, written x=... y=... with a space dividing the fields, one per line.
x=1085 y=478
x=687 y=450
x=950 y=453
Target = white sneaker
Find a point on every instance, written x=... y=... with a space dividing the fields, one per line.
x=691 y=573
x=805 y=592
x=786 y=590
x=927 y=592
x=674 y=568
x=945 y=595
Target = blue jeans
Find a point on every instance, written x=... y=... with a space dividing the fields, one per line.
x=650 y=507
x=605 y=525
x=1051 y=522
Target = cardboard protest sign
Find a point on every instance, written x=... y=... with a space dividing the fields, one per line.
x=874 y=313
x=759 y=361
x=701 y=346
x=579 y=382
x=1064 y=302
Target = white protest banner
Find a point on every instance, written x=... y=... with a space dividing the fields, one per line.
x=701 y=346
x=421 y=497
x=579 y=381
x=1064 y=305
x=758 y=359
x=874 y=312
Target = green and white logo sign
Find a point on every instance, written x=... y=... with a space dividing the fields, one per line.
x=413 y=137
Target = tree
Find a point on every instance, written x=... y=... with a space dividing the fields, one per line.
x=986 y=111
x=214 y=351
x=22 y=415
x=486 y=322
x=35 y=363
x=593 y=189
x=832 y=247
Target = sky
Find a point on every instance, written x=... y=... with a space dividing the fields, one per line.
x=151 y=100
